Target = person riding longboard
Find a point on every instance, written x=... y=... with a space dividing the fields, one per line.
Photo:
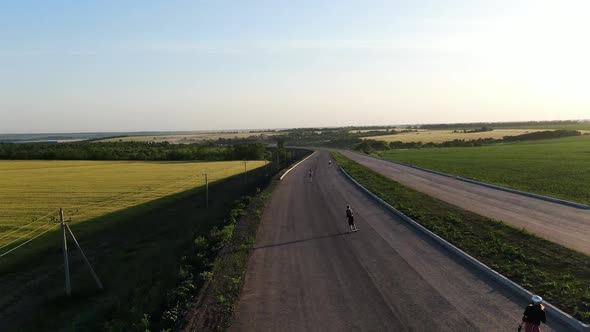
x=534 y=315
x=350 y=218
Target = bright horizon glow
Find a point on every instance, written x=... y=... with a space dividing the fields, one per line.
x=220 y=65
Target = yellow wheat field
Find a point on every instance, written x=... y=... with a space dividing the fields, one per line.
x=88 y=189
x=439 y=136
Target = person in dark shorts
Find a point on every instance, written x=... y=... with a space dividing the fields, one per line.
x=350 y=217
x=533 y=315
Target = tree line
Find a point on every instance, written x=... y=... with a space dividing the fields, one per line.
x=476 y=130
x=131 y=151
x=522 y=124
x=333 y=137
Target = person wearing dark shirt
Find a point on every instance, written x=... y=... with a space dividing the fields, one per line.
x=533 y=315
x=350 y=217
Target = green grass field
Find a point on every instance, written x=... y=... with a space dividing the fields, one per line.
x=89 y=189
x=558 y=168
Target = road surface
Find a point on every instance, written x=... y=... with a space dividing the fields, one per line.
x=308 y=273
x=565 y=225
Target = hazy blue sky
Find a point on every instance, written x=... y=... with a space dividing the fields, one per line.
x=190 y=65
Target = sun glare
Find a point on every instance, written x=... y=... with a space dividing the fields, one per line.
x=543 y=49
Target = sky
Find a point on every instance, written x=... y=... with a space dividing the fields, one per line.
x=81 y=66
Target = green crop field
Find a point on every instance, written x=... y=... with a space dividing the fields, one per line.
x=88 y=189
x=558 y=168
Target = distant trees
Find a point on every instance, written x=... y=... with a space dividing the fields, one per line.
x=331 y=137
x=369 y=145
x=248 y=151
x=238 y=149
x=542 y=135
x=131 y=151
x=523 y=124
x=476 y=130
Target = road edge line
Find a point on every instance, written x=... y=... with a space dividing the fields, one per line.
x=289 y=170
x=553 y=311
x=492 y=186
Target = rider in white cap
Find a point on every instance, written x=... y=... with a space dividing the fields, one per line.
x=533 y=315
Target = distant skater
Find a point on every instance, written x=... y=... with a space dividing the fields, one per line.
x=310 y=175
x=350 y=217
x=533 y=315
x=330 y=163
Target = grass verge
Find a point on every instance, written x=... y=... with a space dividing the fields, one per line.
x=549 y=167
x=214 y=311
x=560 y=275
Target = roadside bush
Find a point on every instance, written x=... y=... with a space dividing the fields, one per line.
x=196 y=269
x=369 y=145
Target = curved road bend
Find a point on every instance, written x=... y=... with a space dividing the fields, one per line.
x=565 y=225
x=308 y=273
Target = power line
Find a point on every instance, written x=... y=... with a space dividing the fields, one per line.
x=33 y=231
x=104 y=203
x=32 y=222
x=31 y=239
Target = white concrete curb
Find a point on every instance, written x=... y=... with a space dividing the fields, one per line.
x=289 y=170
x=552 y=311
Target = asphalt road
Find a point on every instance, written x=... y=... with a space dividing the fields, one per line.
x=308 y=273
x=565 y=225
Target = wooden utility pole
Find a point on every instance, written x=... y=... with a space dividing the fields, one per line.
x=206 y=191
x=65 y=252
x=65 y=226
x=245 y=172
x=98 y=282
